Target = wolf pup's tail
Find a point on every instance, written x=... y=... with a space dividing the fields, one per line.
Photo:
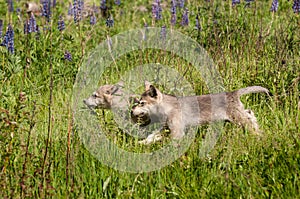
x=252 y=89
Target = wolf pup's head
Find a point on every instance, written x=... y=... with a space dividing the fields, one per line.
x=144 y=106
x=102 y=98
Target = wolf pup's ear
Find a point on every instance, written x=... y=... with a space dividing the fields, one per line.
x=152 y=91
x=147 y=85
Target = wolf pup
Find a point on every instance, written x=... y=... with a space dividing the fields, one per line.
x=113 y=97
x=104 y=97
x=179 y=112
x=108 y=97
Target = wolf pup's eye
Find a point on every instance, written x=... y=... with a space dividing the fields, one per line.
x=142 y=103
x=107 y=92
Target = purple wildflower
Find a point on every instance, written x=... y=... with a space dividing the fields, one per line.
x=70 y=10
x=185 y=18
x=61 y=24
x=80 y=8
x=110 y=22
x=32 y=24
x=10 y=5
x=75 y=11
x=118 y=2
x=180 y=3
x=8 y=40
x=173 y=12
x=103 y=5
x=1 y=27
x=93 y=19
x=296 y=6
x=274 y=6
x=173 y=7
x=163 y=33
x=156 y=10
x=68 y=56
x=235 y=2
x=46 y=12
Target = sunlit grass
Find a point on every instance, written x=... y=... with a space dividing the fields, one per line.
x=249 y=45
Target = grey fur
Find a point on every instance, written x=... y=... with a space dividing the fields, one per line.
x=179 y=112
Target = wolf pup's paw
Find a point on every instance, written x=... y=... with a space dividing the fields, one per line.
x=152 y=138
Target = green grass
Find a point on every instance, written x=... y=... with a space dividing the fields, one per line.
x=41 y=154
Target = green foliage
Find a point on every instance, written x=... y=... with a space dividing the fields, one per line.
x=41 y=154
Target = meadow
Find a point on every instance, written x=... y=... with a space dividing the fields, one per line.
x=251 y=43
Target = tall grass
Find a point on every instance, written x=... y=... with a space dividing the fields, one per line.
x=41 y=154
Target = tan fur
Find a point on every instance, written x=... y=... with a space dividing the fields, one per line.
x=108 y=97
x=179 y=112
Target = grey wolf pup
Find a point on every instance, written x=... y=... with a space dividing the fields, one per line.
x=113 y=97
x=180 y=112
x=108 y=97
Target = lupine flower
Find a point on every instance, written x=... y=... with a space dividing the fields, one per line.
x=68 y=56
x=46 y=12
x=80 y=8
x=10 y=46
x=180 y=3
x=118 y=2
x=75 y=11
x=235 y=2
x=110 y=22
x=103 y=5
x=10 y=5
x=173 y=7
x=93 y=19
x=274 y=6
x=61 y=24
x=163 y=33
x=185 y=18
x=173 y=12
x=296 y=6
x=197 y=26
x=156 y=10
x=32 y=24
x=70 y=10
x=1 y=27
x=8 y=40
